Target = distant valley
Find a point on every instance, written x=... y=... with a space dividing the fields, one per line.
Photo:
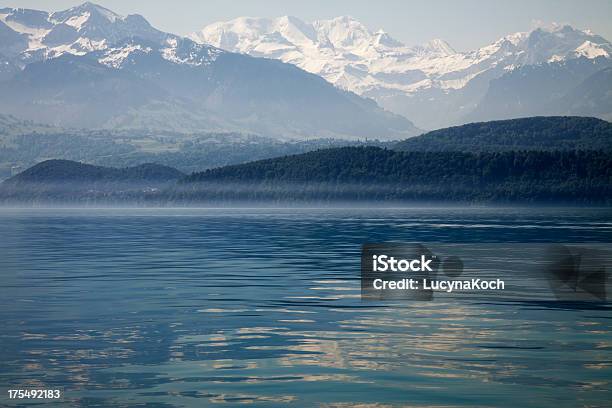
x=23 y=144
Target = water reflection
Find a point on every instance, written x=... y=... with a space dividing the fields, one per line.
x=185 y=307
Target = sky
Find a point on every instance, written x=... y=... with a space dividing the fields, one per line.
x=466 y=24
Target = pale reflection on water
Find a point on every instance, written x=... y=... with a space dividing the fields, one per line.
x=204 y=307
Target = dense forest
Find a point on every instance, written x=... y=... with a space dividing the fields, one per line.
x=65 y=181
x=335 y=174
x=67 y=171
x=382 y=174
x=374 y=165
x=537 y=133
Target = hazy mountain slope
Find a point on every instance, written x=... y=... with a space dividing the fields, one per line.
x=593 y=95
x=7 y=68
x=89 y=67
x=234 y=92
x=11 y=42
x=74 y=91
x=538 y=133
x=538 y=90
x=432 y=84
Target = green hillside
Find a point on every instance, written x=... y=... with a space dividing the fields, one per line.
x=536 y=133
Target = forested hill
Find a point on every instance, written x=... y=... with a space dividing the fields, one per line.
x=336 y=174
x=379 y=174
x=535 y=133
x=67 y=171
x=373 y=164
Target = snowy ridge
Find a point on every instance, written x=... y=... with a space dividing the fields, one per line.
x=115 y=57
x=77 y=30
x=182 y=51
x=175 y=50
x=87 y=28
x=349 y=55
x=589 y=49
x=80 y=14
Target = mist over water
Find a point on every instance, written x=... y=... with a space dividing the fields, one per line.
x=193 y=307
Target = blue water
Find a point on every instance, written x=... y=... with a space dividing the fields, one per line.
x=198 y=307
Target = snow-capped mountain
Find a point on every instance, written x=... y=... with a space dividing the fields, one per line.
x=399 y=77
x=77 y=31
x=90 y=67
x=39 y=35
x=431 y=84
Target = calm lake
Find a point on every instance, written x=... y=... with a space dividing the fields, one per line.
x=197 y=307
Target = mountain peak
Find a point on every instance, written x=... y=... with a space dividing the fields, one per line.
x=559 y=42
x=383 y=38
x=88 y=6
x=344 y=32
x=86 y=14
x=440 y=46
x=290 y=19
x=347 y=22
x=346 y=19
x=561 y=30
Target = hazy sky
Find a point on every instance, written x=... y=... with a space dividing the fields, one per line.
x=464 y=24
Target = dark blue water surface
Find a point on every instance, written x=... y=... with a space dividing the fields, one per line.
x=198 y=307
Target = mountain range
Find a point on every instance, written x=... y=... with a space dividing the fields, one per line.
x=432 y=84
x=90 y=67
